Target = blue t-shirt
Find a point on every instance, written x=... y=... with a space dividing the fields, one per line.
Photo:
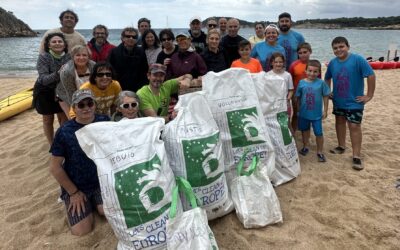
x=348 y=80
x=263 y=51
x=311 y=98
x=290 y=42
x=79 y=168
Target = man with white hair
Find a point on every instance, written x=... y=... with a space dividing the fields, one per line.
x=230 y=42
x=198 y=36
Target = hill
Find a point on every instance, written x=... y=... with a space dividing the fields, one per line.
x=10 y=26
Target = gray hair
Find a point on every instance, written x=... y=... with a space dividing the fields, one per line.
x=100 y=26
x=126 y=93
x=78 y=48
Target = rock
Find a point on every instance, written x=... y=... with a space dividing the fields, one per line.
x=10 y=26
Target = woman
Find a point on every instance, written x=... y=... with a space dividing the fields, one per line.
x=151 y=46
x=169 y=48
x=104 y=88
x=260 y=36
x=48 y=66
x=214 y=56
x=263 y=51
x=73 y=75
x=127 y=106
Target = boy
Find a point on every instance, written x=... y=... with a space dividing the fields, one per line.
x=312 y=93
x=298 y=71
x=245 y=61
x=348 y=71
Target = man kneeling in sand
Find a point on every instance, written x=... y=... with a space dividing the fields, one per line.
x=76 y=173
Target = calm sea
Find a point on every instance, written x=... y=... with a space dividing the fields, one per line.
x=18 y=55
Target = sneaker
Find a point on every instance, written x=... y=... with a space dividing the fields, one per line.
x=304 y=151
x=338 y=150
x=357 y=164
x=321 y=158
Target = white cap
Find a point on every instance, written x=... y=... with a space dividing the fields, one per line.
x=195 y=18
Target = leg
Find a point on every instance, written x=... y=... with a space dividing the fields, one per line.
x=340 y=125
x=62 y=118
x=320 y=144
x=294 y=115
x=306 y=138
x=48 y=128
x=83 y=227
x=65 y=107
x=356 y=138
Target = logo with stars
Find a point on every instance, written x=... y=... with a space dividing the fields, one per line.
x=141 y=197
x=244 y=127
x=201 y=160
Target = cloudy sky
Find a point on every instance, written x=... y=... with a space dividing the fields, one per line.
x=43 y=14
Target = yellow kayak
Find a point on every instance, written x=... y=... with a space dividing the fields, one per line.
x=15 y=104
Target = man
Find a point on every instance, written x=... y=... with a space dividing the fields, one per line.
x=129 y=61
x=143 y=25
x=73 y=170
x=288 y=39
x=68 y=20
x=198 y=36
x=230 y=42
x=98 y=45
x=211 y=24
x=155 y=97
x=222 y=26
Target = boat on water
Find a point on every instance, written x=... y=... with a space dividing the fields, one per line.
x=381 y=64
x=15 y=104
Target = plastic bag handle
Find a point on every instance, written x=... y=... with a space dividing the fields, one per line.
x=252 y=167
x=184 y=186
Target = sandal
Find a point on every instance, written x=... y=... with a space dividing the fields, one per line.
x=357 y=164
x=304 y=151
x=338 y=150
x=321 y=158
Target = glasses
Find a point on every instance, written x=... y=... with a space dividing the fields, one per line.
x=212 y=25
x=105 y=74
x=133 y=37
x=82 y=104
x=181 y=38
x=128 y=105
x=166 y=39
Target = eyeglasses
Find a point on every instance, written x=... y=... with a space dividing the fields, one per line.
x=181 y=38
x=128 y=105
x=101 y=74
x=166 y=39
x=133 y=37
x=83 y=104
x=212 y=25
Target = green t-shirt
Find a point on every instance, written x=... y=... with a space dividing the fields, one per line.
x=159 y=103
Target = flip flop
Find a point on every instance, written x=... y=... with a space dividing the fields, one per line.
x=321 y=158
x=338 y=150
x=357 y=164
x=304 y=151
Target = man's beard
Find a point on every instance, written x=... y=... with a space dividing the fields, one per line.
x=284 y=28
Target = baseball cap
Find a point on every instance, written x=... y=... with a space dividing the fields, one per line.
x=195 y=18
x=156 y=67
x=81 y=94
x=184 y=34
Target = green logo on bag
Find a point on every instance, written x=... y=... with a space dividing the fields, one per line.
x=283 y=120
x=201 y=161
x=142 y=191
x=244 y=127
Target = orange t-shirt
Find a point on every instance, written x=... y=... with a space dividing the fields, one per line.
x=254 y=66
x=298 y=71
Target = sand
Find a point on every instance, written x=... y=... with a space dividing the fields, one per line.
x=330 y=206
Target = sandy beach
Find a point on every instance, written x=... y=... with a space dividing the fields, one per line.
x=330 y=206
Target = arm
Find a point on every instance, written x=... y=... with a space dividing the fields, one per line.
x=44 y=67
x=326 y=103
x=290 y=94
x=77 y=198
x=370 y=92
x=185 y=81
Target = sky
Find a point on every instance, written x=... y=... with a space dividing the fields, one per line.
x=43 y=14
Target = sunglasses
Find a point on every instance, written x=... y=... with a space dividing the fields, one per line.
x=133 y=37
x=82 y=105
x=166 y=39
x=106 y=74
x=212 y=25
x=128 y=105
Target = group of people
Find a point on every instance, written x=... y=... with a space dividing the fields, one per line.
x=84 y=82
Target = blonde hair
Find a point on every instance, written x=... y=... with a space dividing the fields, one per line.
x=213 y=31
x=75 y=50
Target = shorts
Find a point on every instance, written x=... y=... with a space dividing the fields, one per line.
x=304 y=125
x=351 y=115
x=93 y=200
x=46 y=103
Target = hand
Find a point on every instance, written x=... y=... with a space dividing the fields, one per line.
x=77 y=203
x=325 y=115
x=364 y=98
x=167 y=61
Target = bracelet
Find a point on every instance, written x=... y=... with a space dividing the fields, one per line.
x=74 y=193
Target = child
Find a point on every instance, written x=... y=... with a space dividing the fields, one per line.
x=277 y=62
x=311 y=94
x=298 y=71
x=348 y=71
x=245 y=61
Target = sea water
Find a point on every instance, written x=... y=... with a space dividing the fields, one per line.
x=18 y=56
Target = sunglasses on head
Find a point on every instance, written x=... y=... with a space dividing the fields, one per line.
x=166 y=39
x=133 y=37
x=212 y=25
x=128 y=105
x=83 y=104
x=101 y=74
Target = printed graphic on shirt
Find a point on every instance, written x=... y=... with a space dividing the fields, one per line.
x=310 y=99
x=342 y=83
